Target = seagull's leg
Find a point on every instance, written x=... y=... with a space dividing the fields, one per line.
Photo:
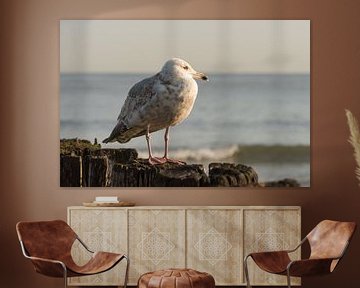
x=166 y=139
x=152 y=160
x=148 y=137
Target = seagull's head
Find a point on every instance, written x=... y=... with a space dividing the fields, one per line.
x=178 y=68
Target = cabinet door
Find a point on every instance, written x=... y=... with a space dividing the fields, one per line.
x=156 y=240
x=270 y=230
x=214 y=244
x=100 y=230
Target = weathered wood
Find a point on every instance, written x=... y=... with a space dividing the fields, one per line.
x=85 y=164
x=114 y=156
x=132 y=175
x=175 y=175
x=123 y=156
x=70 y=171
x=142 y=174
x=97 y=171
x=231 y=175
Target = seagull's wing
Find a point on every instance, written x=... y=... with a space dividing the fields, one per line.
x=130 y=122
x=137 y=98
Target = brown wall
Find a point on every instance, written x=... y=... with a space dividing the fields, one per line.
x=29 y=119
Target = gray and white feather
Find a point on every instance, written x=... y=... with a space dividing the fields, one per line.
x=158 y=102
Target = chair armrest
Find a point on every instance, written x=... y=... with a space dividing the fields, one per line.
x=48 y=267
x=269 y=253
x=298 y=246
x=46 y=260
x=309 y=267
x=280 y=251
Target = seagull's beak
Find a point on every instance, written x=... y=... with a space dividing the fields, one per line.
x=200 y=76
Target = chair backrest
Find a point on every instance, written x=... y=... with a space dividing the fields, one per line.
x=329 y=239
x=46 y=239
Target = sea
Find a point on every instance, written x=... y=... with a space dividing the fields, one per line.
x=261 y=120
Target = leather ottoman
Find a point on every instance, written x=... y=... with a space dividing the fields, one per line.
x=176 y=278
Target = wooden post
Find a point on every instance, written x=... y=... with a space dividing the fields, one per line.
x=114 y=156
x=121 y=155
x=97 y=171
x=70 y=171
x=231 y=175
x=132 y=175
x=142 y=174
x=85 y=164
x=174 y=175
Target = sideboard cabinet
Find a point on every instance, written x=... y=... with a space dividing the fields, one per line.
x=212 y=239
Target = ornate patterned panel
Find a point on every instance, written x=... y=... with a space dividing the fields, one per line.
x=214 y=244
x=211 y=239
x=156 y=240
x=270 y=229
x=101 y=230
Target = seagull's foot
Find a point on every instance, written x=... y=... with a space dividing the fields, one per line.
x=156 y=160
x=163 y=160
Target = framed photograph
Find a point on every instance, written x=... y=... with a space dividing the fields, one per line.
x=185 y=103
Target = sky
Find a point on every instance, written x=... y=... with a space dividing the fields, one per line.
x=211 y=46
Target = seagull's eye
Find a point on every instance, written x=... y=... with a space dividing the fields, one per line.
x=186 y=67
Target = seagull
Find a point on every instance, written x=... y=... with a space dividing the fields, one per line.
x=158 y=102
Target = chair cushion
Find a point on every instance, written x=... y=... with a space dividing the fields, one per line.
x=99 y=262
x=176 y=278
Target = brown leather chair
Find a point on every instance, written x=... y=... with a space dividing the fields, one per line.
x=48 y=245
x=328 y=242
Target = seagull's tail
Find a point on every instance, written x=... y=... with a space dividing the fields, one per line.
x=118 y=134
x=120 y=140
